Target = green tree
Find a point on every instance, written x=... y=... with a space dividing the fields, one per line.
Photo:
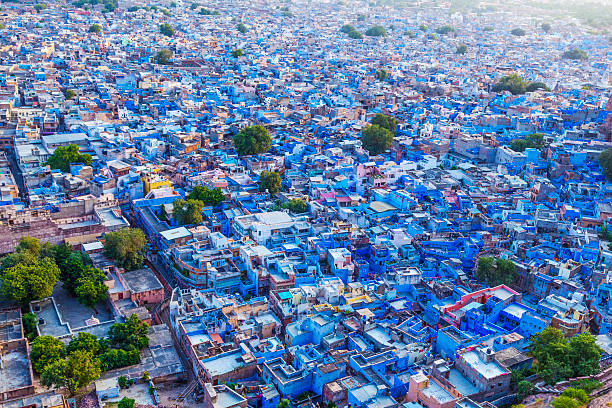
x=445 y=29
x=122 y=381
x=126 y=403
x=29 y=244
x=242 y=28
x=237 y=53
x=385 y=121
x=40 y=7
x=534 y=140
x=355 y=35
x=91 y=289
x=166 y=29
x=519 y=32
x=131 y=335
x=512 y=83
x=605 y=161
x=376 y=139
x=488 y=29
x=461 y=49
x=252 y=140
x=163 y=215
x=64 y=156
x=284 y=403
x=524 y=388
x=87 y=342
x=585 y=355
x=95 y=28
x=29 y=325
x=164 y=57
x=69 y=94
x=376 y=31
x=270 y=182
x=564 y=402
x=25 y=283
x=575 y=54
x=493 y=273
x=126 y=247
x=546 y=27
x=212 y=197
x=44 y=351
x=381 y=74
x=534 y=86
x=187 y=211
x=295 y=205
x=347 y=28
x=79 y=370
x=423 y=27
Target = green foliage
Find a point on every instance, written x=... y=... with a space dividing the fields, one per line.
x=164 y=57
x=347 y=28
x=564 y=402
x=519 y=32
x=381 y=74
x=575 y=54
x=146 y=376
x=605 y=161
x=44 y=351
x=126 y=247
x=533 y=140
x=376 y=31
x=385 y=121
x=122 y=381
x=95 y=28
x=559 y=359
x=117 y=358
x=25 y=283
x=355 y=35
x=87 y=342
x=488 y=29
x=376 y=139
x=586 y=384
x=237 y=53
x=90 y=288
x=546 y=27
x=76 y=372
x=423 y=28
x=206 y=12
x=40 y=7
x=166 y=29
x=163 y=215
x=524 y=388
x=131 y=335
x=495 y=272
x=361 y=17
x=212 y=197
x=64 y=156
x=29 y=325
x=461 y=49
x=126 y=403
x=252 y=140
x=445 y=29
x=242 y=28
x=284 y=403
x=534 y=86
x=270 y=181
x=187 y=211
x=295 y=205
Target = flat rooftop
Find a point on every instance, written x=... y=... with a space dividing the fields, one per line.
x=15 y=372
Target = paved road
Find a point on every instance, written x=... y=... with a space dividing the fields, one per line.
x=12 y=161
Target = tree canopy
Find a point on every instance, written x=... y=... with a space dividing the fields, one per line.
x=295 y=205
x=575 y=54
x=519 y=32
x=558 y=358
x=376 y=31
x=546 y=27
x=242 y=28
x=187 y=211
x=25 y=283
x=385 y=121
x=95 y=28
x=605 y=161
x=461 y=49
x=164 y=57
x=237 y=53
x=166 y=29
x=445 y=29
x=212 y=197
x=126 y=247
x=495 y=271
x=376 y=139
x=270 y=181
x=533 y=140
x=64 y=156
x=252 y=140
x=381 y=74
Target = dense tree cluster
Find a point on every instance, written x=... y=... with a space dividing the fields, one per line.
x=557 y=358
x=95 y=28
x=270 y=182
x=64 y=156
x=516 y=85
x=86 y=356
x=252 y=140
x=377 y=137
x=164 y=57
x=207 y=196
x=605 y=161
x=533 y=140
x=166 y=29
x=242 y=28
x=519 y=32
x=445 y=29
x=295 y=205
x=575 y=54
x=187 y=211
x=126 y=247
x=495 y=271
x=461 y=49
x=376 y=31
